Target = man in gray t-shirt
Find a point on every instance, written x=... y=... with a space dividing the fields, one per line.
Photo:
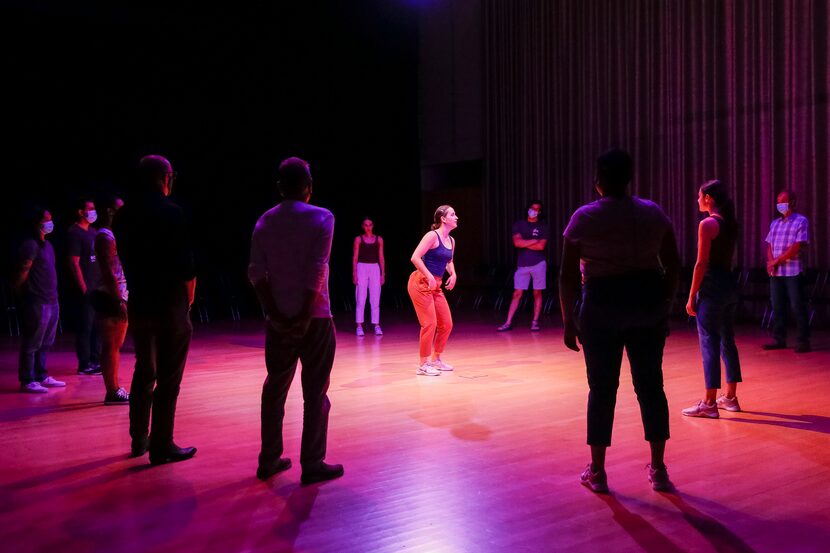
x=530 y=237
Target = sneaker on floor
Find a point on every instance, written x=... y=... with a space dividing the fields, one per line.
x=774 y=345
x=595 y=481
x=33 y=388
x=728 y=404
x=90 y=370
x=359 y=331
x=428 y=370
x=505 y=327
x=803 y=348
x=659 y=479
x=378 y=331
x=534 y=326
x=440 y=365
x=702 y=409
x=50 y=382
x=118 y=397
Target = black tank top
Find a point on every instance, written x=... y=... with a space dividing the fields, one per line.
x=722 y=249
x=369 y=253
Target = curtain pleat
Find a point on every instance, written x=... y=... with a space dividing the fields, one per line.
x=694 y=89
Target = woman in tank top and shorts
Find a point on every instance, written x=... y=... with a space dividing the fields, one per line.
x=432 y=258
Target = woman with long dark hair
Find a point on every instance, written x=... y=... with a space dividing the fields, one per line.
x=432 y=258
x=368 y=275
x=713 y=299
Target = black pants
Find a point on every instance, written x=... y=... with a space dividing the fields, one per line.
x=161 y=344
x=87 y=340
x=624 y=313
x=789 y=292
x=316 y=352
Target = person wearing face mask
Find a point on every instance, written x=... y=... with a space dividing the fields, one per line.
x=35 y=277
x=530 y=237
x=155 y=250
x=787 y=238
x=85 y=275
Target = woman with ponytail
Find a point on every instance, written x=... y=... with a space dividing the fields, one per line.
x=713 y=299
x=433 y=257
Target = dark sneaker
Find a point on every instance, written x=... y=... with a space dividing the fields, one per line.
x=90 y=370
x=597 y=482
x=803 y=348
x=320 y=473
x=118 y=397
x=505 y=327
x=659 y=479
x=534 y=326
x=773 y=346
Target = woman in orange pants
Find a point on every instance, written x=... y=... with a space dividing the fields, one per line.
x=433 y=257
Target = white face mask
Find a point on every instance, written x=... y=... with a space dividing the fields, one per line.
x=782 y=208
x=91 y=216
x=532 y=213
x=47 y=227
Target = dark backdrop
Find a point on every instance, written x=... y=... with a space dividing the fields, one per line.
x=224 y=94
x=695 y=89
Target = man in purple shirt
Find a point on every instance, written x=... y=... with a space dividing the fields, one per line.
x=289 y=269
x=787 y=238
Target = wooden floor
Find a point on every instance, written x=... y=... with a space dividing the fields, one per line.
x=483 y=459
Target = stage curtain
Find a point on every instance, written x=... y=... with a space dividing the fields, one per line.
x=695 y=90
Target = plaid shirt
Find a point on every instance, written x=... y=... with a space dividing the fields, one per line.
x=783 y=233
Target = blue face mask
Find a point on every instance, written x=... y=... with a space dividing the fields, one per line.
x=532 y=213
x=782 y=208
x=47 y=227
x=91 y=216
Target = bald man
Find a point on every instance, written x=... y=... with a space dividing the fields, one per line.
x=154 y=247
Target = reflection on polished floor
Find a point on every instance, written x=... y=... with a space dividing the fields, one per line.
x=485 y=458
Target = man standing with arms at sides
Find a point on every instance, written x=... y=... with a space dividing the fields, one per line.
x=36 y=278
x=289 y=269
x=530 y=237
x=787 y=239
x=83 y=266
x=628 y=256
x=154 y=248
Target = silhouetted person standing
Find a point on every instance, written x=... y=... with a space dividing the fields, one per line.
x=289 y=269
x=627 y=253
x=154 y=247
x=86 y=276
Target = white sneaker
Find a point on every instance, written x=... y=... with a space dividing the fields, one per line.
x=702 y=409
x=33 y=388
x=728 y=404
x=50 y=382
x=440 y=365
x=378 y=331
x=359 y=331
x=428 y=370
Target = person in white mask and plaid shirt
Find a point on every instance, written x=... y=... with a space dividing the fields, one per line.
x=787 y=239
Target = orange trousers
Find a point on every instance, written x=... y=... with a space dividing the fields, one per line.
x=433 y=314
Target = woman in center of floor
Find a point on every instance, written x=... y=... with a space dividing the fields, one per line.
x=432 y=258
